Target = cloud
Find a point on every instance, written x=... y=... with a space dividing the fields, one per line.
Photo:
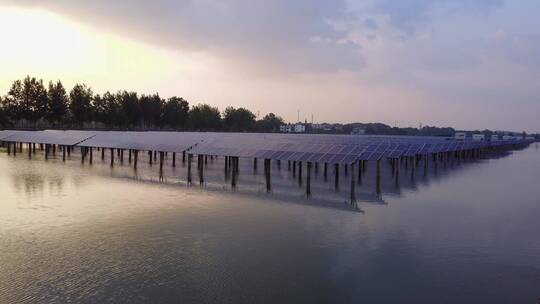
x=371 y=24
x=431 y=61
x=520 y=49
x=408 y=15
x=279 y=33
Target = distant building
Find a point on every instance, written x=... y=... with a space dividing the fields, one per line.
x=494 y=137
x=299 y=128
x=508 y=137
x=460 y=136
x=358 y=131
x=478 y=137
x=320 y=127
x=293 y=128
x=338 y=127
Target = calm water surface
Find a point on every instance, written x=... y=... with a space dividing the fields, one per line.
x=70 y=233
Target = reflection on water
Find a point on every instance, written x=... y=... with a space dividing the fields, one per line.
x=461 y=231
x=34 y=183
x=308 y=184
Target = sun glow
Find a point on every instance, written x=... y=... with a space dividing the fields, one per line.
x=42 y=44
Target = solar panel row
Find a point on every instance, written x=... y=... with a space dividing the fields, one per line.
x=338 y=149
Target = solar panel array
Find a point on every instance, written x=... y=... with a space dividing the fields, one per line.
x=333 y=149
x=6 y=133
x=145 y=141
x=67 y=138
x=328 y=148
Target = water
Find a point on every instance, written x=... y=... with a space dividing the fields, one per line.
x=73 y=233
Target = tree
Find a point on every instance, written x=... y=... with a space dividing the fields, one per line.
x=107 y=110
x=238 y=120
x=40 y=101
x=99 y=109
x=4 y=119
x=151 y=108
x=270 y=123
x=58 y=103
x=27 y=100
x=12 y=103
x=436 y=131
x=175 y=112
x=80 y=104
x=204 y=117
x=129 y=101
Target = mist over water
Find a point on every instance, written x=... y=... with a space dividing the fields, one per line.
x=460 y=233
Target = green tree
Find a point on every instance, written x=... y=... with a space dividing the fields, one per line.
x=27 y=99
x=58 y=103
x=175 y=112
x=129 y=102
x=80 y=103
x=40 y=101
x=238 y=120
x=4 y=118
x=270 y=123
x=99 y=109
x=107 y=110
x=12 y=103
x=204 y=117
x=151 y=108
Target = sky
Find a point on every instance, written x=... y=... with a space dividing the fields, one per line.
x=461 y=63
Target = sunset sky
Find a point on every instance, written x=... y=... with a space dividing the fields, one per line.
x=467 y=64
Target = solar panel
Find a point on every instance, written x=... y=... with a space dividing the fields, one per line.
x=364 y=155
x=344 y=149
x=375 y=156
x=68 y=138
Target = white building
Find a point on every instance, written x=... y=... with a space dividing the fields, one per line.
x=299 y=128
x=322 y=127
x=478 y=137
x=508 y=137
x=460 y=136
x=293 y=128
x=494 y=137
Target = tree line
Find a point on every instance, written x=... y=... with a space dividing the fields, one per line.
x=30 y=104
x=383 y=129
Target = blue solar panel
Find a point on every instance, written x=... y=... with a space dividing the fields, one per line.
x=364 y=156
x=336 y=158
x=315 y=157
x=375 y=156
x=381 y=148
x=357 y=150
x=285 y=155
x=349 y=159
x=326 y=157
x=300 y=147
